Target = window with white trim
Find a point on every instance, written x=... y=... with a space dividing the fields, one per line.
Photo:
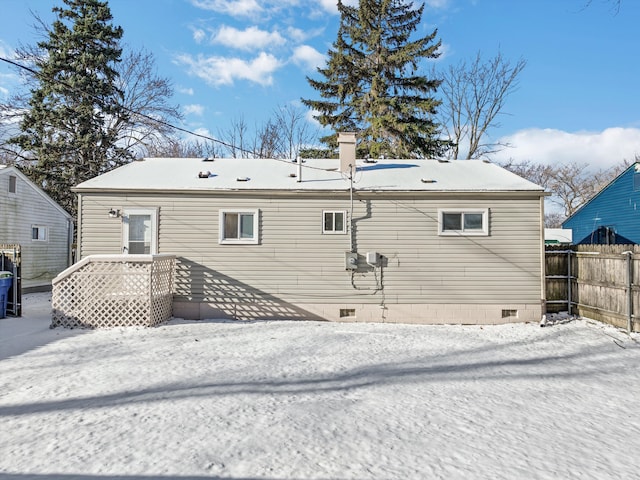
x=334 y=221
x=39 y=233
x=239 y=226
x=463 y=222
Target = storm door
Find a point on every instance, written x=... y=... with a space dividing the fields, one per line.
x=139 y=231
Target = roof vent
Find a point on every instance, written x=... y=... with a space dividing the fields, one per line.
x=442 y=160
x=206 y=174
x=427 y=180
x=208 y=159
x=242 y=179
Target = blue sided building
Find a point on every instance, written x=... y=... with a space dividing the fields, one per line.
x=613 y=215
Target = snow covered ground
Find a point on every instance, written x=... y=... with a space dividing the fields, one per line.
x=310 y=400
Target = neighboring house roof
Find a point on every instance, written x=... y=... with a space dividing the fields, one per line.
x=227 y=174
x=10 y=170
x=610 y=216
x=603 y=192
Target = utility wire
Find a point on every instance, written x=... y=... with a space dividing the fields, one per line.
x=148 y=117
x=124 y=107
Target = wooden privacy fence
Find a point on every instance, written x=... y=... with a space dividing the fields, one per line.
x=113 y=291
x=601 y=282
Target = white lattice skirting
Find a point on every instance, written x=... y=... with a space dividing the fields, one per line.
x=103 y=291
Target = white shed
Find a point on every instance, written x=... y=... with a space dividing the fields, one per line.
x=43 y=229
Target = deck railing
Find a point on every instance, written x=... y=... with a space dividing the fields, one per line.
x=114 y=290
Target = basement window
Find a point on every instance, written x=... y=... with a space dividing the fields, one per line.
x=465 y=222
x=347 y=313
x=509 y=313
x=239 y=226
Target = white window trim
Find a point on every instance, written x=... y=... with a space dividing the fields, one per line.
x=239 y=241
x=154 y=227
x=484 y=232
x=46 y=233
x=344 y=223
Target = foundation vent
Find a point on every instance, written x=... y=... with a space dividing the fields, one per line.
x=509 y=313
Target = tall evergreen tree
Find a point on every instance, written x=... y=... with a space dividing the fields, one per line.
x=372 y=83
x=64 y=127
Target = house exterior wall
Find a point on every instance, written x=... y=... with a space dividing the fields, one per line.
x=42 y=260
x=296 y=271
x=612 y=216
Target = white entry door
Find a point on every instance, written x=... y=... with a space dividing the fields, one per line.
x=139 y=231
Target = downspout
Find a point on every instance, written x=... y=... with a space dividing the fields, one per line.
x=70 y=230
x=352 y=234
x=543 y=263
x=79 y=232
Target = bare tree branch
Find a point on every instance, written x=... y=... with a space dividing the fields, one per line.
x=474 y=95
x=571 y=184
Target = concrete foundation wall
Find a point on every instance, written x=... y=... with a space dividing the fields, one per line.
x=435 y=314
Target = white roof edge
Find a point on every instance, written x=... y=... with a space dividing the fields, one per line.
x=39 y=191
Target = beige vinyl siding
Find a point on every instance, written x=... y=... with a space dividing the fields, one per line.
x=41 y=260
x=296 y=263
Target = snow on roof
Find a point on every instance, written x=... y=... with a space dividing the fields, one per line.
x=224 y=174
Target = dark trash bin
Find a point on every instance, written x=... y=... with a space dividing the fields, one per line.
x=6 y=279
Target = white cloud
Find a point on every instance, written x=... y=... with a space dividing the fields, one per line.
x=331 y=6
x=311 y=115
x=5 y=50
x=194 y=109
x=8 y=83
x=252 y=38
x=438 y=3
x=308 y=57
x=235 y=8
x=445 y=51
x=199 y=35
x=219 y=71
x=204 y=132
x=548 y=146
x=186 y=91
x=297 y=34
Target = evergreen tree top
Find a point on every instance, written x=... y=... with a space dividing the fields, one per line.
x=372 y=83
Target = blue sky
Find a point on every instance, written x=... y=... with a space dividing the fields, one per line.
x=577 y=100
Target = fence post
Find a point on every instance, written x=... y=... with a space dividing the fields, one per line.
x=629 y=255
x=569 y=252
